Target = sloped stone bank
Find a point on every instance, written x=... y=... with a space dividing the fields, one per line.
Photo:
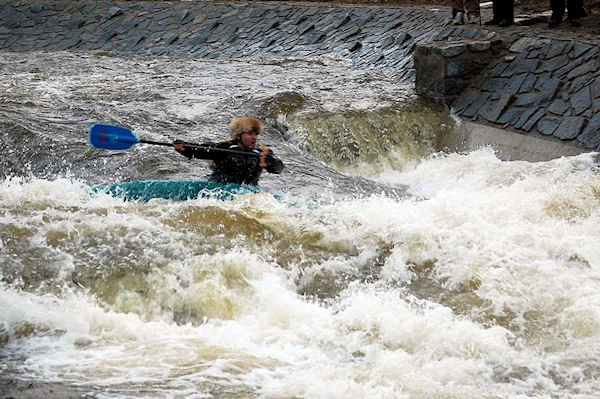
x=369 y=36
x=540 y=86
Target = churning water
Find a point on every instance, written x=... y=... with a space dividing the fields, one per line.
x=373 y=267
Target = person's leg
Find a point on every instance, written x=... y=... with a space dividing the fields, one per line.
x=574 y=8
x=472 y=7
x=558 y=12
x=458 y=11
x=508 y=13
x=496 y=10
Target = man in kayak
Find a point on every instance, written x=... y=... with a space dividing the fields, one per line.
x=242 y=163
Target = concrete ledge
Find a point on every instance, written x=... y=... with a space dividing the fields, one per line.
x=510 y=146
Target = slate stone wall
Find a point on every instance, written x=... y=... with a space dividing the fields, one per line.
x=382 y=38
x=445 y=69
x=540 y=86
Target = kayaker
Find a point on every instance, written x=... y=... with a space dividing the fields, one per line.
x=229 y=167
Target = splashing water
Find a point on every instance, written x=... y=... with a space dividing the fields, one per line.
x=482 y=282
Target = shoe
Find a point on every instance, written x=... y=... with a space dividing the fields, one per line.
x=492 y=22
x=458 y=18
x=472 y=19
x=574 y=22
x=505 y=22
x=554 y=21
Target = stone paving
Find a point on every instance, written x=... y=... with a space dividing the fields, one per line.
x=369 y=36
x=515 y=79
x=540 y=85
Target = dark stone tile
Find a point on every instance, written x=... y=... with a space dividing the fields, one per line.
x=556 y=63
x=494 y=84
x=567 y=68
x=557 y=48
x=558 y=107
x=569 y=128
x=590 y=55
x=403 y=38
x=548 y=89
x=510 y=116
x=590 y=137
x=114 y=12
x=526 y=100
x=452 y=49
x=498 y=70
x=579 y=49
x=479 y=102
x=524 y=117
x=547 y=126
x=581 y=100
x=525 y=66
x=533 y=120
x=492 y=110
x=578 y=83
x=528 y=83
x=584 y=69
x=465 y=100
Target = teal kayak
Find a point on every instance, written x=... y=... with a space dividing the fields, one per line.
x=176 y=190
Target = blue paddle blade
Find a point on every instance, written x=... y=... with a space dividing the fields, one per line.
x=112 y=137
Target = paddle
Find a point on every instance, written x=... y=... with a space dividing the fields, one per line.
x=110 y=137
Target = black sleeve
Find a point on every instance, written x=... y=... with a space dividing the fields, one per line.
x=200 y=151
x=274 y=164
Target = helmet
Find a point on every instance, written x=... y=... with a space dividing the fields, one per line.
x=245 y=124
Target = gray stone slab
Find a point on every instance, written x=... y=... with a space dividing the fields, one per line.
x=548 y=89
x=533 y=120
x=558 y=107
x=527 y=100
x=452 y=49
x=568 y=68
x=524 y=66
x=569 y=128
x=557 y=48
x=171 y=37
x=584 y=69
x=590 y=55
x=527 y=113
x=555 y=63
x=498 y=70
x=590 y=137
x=524 y=44
x=579 y=49
x=492 y=110
x=510 y=116
x=528 y=83
x=581 y=101
x=478 y=46
x=465 y=99
x=494 y=84
x=478 y=103
x=114 y=12
x=547 y=125
x=458 y=68
x=578 y=83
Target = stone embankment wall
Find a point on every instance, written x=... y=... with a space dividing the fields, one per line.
x=541 y=86
x=382 y=38
x=544 y=87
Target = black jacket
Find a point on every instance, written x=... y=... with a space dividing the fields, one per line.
x=230 y=167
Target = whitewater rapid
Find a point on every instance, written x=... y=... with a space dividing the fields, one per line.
x=481 y=281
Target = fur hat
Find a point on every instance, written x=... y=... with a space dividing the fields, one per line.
x=245 y=124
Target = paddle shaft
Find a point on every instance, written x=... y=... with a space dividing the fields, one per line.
x=208 y=149
x=110 y=137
